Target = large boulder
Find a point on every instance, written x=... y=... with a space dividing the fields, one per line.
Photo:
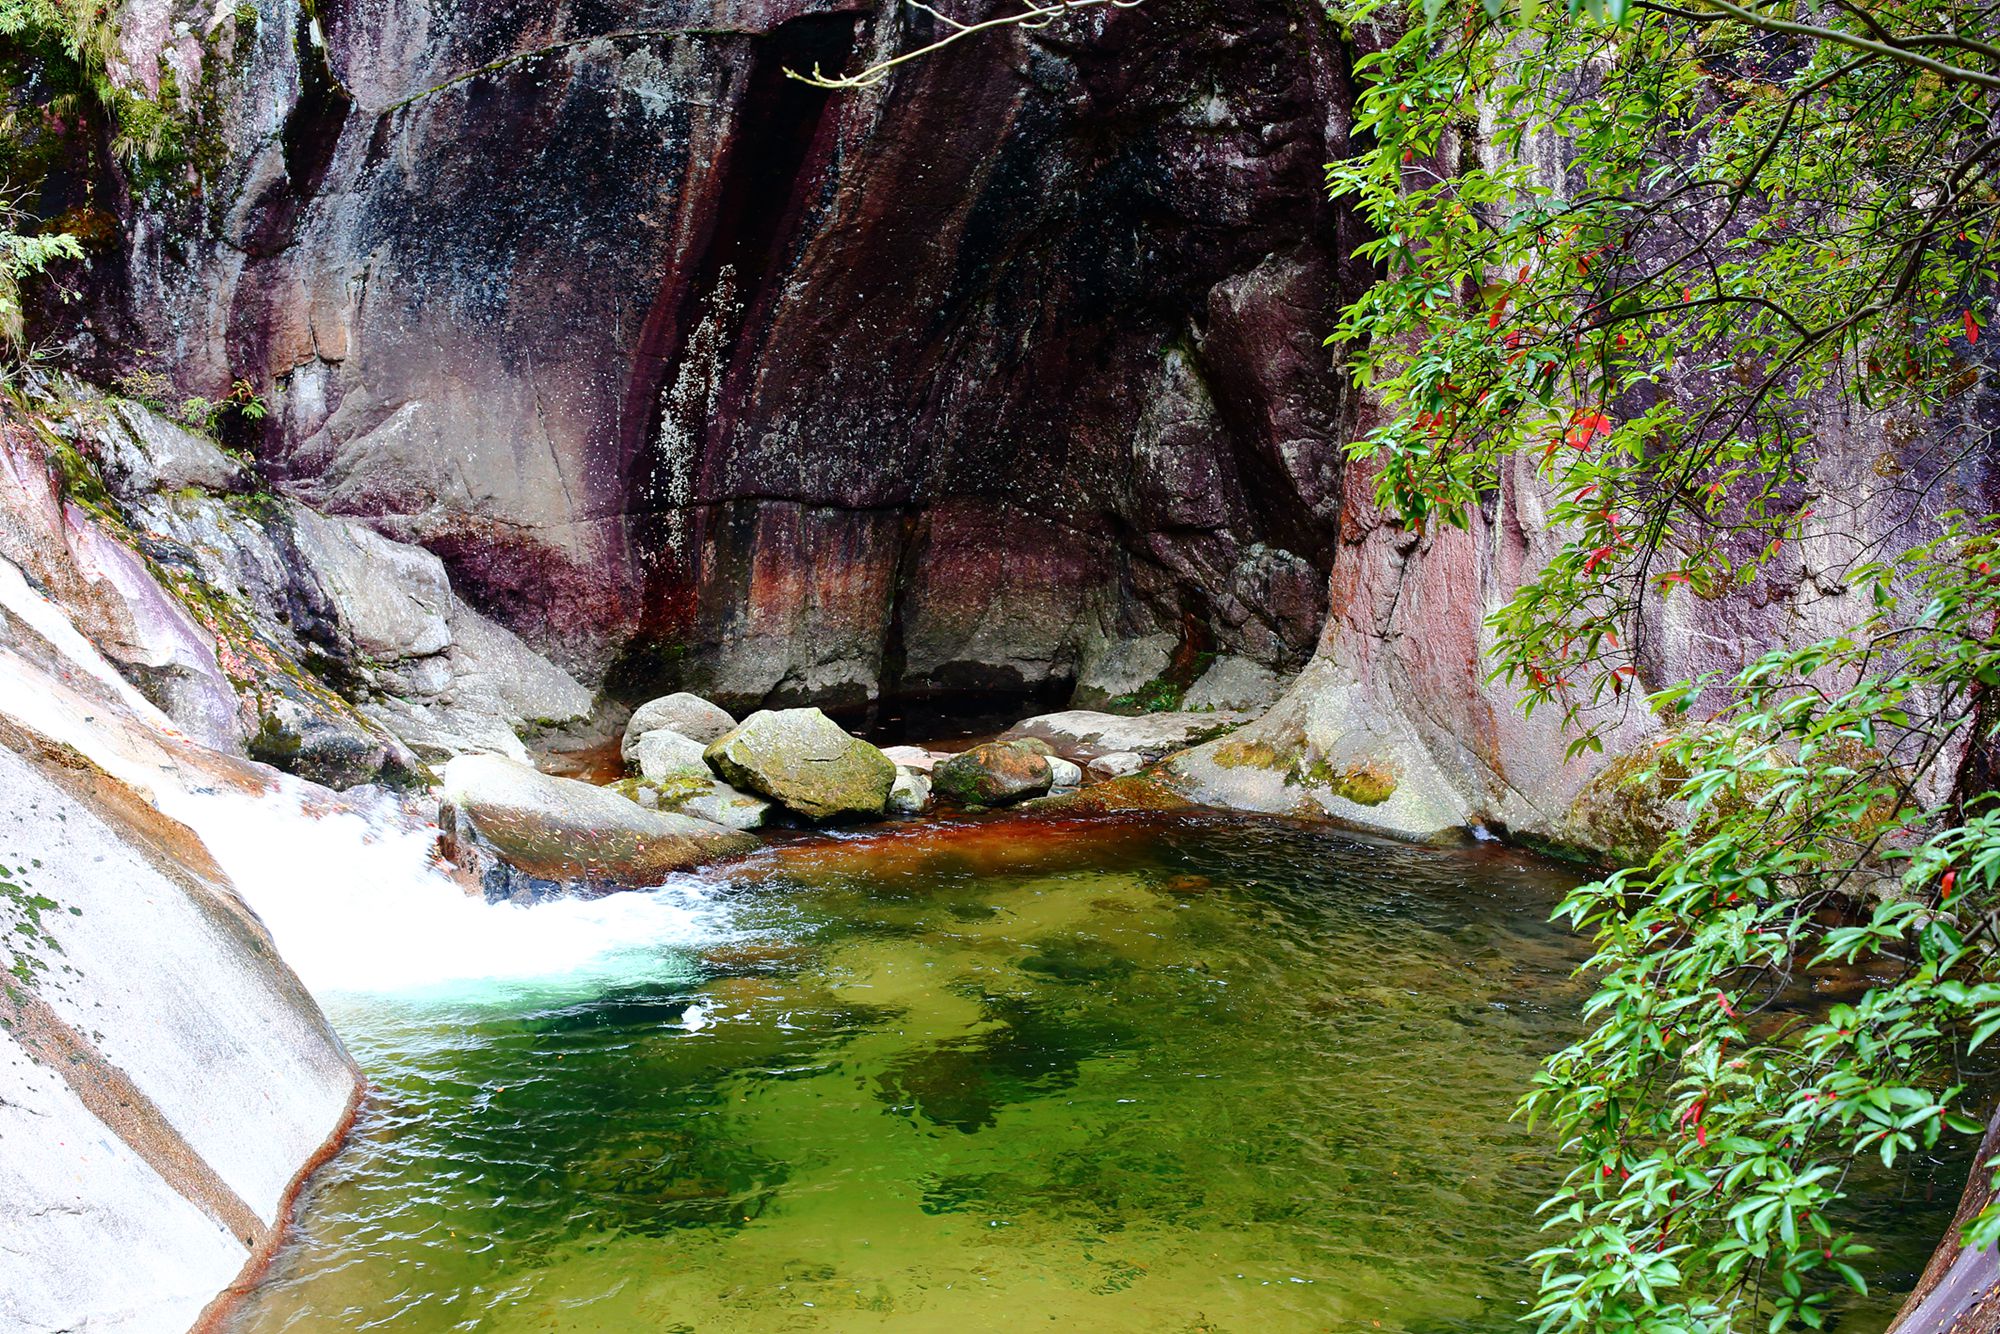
x=690 y=715
x=560 y=831
x=804 y=761
x=1241 y=684
x=995 y=774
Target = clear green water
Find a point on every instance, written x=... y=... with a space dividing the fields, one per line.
x=1153 y=1075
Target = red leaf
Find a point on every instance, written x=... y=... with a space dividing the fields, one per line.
x=1701 y=1135
x=1944 y=885
x=1595 y=558
x=1499 y=308
x=1971 y=328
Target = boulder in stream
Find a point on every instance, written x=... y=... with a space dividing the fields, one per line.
x=911 y=794
x=1117 y=764
x=560 y=831
x=997 y=773
x=806 y=762
x=690 y=715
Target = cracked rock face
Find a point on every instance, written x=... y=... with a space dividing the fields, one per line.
x=697 y=377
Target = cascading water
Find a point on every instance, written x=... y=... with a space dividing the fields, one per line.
x=359 y=906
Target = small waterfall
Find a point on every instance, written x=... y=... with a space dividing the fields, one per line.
x=358 y=904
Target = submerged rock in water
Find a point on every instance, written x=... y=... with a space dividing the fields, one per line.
x=560 y=831
x=911 y=794
x=806 y=762
x=996 y=774
x=664 y=756
x=690 y=715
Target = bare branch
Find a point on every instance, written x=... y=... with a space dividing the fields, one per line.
x=1038 y=14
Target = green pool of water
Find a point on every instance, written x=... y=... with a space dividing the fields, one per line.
x=1152 y=1075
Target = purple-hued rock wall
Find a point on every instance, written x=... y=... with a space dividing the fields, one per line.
x=696 y=375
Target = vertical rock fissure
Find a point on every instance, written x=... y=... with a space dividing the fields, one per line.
x=680 y=398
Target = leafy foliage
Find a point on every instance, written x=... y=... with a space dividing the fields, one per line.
x=1641 y=257
x=23 y=254
x=1713 y=1112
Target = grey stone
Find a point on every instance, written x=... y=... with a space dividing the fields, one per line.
x=1235 y=683
x=690 y=715
x=139 y=451
x=911 y=794
x=1063 y=774
x=727 y=807
x=1122 y=667
x=915 y=757
x=1117 y=764
x=665 y=756
x=1084 y=734
x=393 y=600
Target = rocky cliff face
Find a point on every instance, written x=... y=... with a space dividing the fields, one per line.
x=696 y=376
x=1006 y=374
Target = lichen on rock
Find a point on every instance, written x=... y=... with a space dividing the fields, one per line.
x=807 y=763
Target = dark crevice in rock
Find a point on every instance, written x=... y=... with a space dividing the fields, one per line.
x=676 y=399
x=307 y=141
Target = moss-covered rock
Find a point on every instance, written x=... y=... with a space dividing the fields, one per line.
x=995 y=774
x=804 y=761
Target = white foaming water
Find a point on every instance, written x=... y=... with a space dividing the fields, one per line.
x=357 y=905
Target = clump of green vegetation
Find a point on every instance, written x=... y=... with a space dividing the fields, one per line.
x=21 y=912
x=1158 y=695
x=207 y=416
x=1259 y=754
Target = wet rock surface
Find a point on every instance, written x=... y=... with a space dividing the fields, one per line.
x=546 y=834
x=663 y=756
x=997 y=773
x=1085 y=734
x=261 y=626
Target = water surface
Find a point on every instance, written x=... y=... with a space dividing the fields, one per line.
x=1169 y=1074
